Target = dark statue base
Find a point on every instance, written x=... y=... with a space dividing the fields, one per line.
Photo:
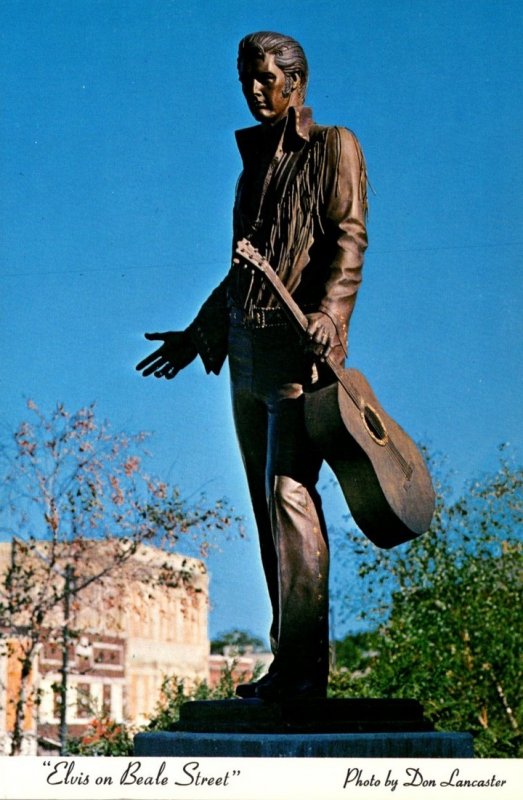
x=314 y=729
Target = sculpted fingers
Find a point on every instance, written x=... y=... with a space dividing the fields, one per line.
x=313 y=327
x=154 y=366
x=152 y=357
x=173 y=355
x=170 y=373
x=165 y=369
x=322 y=334
x=327 y=348
x=160 y=368
x=145 y=362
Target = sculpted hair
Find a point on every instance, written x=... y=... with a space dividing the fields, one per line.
x=288 y=56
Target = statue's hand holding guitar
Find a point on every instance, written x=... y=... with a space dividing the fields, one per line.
x=176 y=352
x=322 y=334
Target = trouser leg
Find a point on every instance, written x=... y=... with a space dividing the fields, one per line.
x=268 y=370
x=251 y=422
x=301 y=544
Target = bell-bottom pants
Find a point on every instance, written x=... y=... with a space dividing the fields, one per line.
x=268 y=371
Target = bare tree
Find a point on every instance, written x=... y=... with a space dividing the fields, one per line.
x=77 y=504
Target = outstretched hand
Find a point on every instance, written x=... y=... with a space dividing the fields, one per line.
x=176 y=352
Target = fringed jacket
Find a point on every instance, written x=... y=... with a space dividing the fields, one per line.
x=301 y=200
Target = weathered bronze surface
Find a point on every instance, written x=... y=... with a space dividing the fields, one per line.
x=301 y=202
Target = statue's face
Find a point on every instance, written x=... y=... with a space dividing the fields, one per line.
x=263 y=84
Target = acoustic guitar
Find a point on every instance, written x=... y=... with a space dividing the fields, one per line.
x=381 y=472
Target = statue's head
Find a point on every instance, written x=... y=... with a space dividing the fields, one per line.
x=287 y=54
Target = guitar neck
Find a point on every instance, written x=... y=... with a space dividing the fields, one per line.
x=294 y=312
x=290 y=305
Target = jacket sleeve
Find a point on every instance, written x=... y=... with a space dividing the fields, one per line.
x=345 y=195
x=210 y=329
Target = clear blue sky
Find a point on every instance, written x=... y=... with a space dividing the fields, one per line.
x=118 y=167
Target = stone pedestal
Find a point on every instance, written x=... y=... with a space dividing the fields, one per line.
x=316 y=729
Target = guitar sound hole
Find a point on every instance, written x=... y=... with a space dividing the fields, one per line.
x=374 y=424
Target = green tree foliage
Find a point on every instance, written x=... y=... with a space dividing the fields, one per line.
x=238 y=642
x=175 y=692
x=354 y=653
x=453 y=634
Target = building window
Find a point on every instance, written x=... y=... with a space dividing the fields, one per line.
x=57 y=700
x=106 y=700
x=83 y=701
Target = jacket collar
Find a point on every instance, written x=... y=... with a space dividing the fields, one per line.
x=297 y=130
x=300 y=121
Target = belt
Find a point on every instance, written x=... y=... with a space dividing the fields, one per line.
x=258 y=317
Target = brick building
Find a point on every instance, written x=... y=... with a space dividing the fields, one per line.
x=127 y=635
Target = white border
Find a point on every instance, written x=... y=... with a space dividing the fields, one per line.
x=37 y=778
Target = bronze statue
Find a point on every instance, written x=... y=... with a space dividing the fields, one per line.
x=301 y=202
